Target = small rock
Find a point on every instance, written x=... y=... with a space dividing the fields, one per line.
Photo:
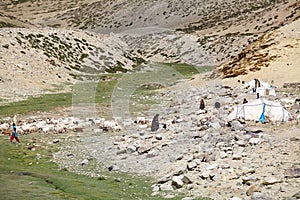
x=192 y=165
x=205 y=174
x=38 y=156
x=237 y=153
x=241 y=143
x=164 y=179
x=166 y=187
x=223 y=154
x=248 y=171
x=236 y=126
x=254 y=141
x=225 y=166
x=296 y=196
x=235 y=198
x=252 y=189
x=180 y=157
x=113 y=168
x=211 y=167
x=259 y=196
x=84 y=162
x=56 y=141
x=98 y=130
x=5 y=46
x=282 y=189
x=144 y=149
x=249 y=179
x=130 y=149
x=188 y=198
x=158 y=137
x=186 y=179
x=155 y=188
x=177 y=182
x=293 y=139
x=292 y=173
x=121 y=151
x=152 y=153
x=270 y=181
x=215 y=125
x=180 y=171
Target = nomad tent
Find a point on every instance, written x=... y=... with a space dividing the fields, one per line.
x=260 y=110
x=264 y=89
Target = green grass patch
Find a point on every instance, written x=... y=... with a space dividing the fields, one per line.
x=43 y=103
x=23 y=176
x=100 y=90
x=187 y=70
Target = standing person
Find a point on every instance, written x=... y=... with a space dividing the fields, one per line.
x=155 y=123
x=14 y=134
x=245 y=101
x=202 y=105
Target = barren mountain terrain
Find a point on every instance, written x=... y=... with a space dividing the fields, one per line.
x=52 y=47
x=201 y=33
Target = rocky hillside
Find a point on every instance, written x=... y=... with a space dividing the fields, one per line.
x=36 y=60
x=48 y=45
x=222 y=29
x=274 y=56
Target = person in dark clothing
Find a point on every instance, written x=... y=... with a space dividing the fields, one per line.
x=245 y=101
x=14 y=134
x=155 y=123
x=257 y=83
x=202 y=105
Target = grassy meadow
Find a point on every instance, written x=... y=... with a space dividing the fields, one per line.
x=100 y=92
x=27 y=171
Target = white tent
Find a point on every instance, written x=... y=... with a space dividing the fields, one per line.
x=258 y=110
x=265 y=91
x=265 y=88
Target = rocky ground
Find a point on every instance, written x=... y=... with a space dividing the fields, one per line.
x=193 y=151
x=196 y=152
x=37 y=59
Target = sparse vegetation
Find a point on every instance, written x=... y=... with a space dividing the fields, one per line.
x=54 y=47
x=33 y=104
x=26 y=176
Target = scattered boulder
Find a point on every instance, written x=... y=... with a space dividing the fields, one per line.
x=252 y=189
x=259 y=196
x=166 y=187
x=113 y=168
x=254 y=141
x=192 y=165
x=236 y=126
x=238 y=153
x=293 y=172
x=84 y=162
x=270 y=181
x=296 y=196
x=56 y=141
x=187 y=179
x=177 y=182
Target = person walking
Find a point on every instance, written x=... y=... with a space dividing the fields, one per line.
x=202 y=105
x=14 y=134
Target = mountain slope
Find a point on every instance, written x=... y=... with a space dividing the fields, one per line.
x=38 y=58
x=275 y=56
x=36 y=61
x=223 y=28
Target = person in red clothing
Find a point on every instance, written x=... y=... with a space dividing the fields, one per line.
x=14 y=134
